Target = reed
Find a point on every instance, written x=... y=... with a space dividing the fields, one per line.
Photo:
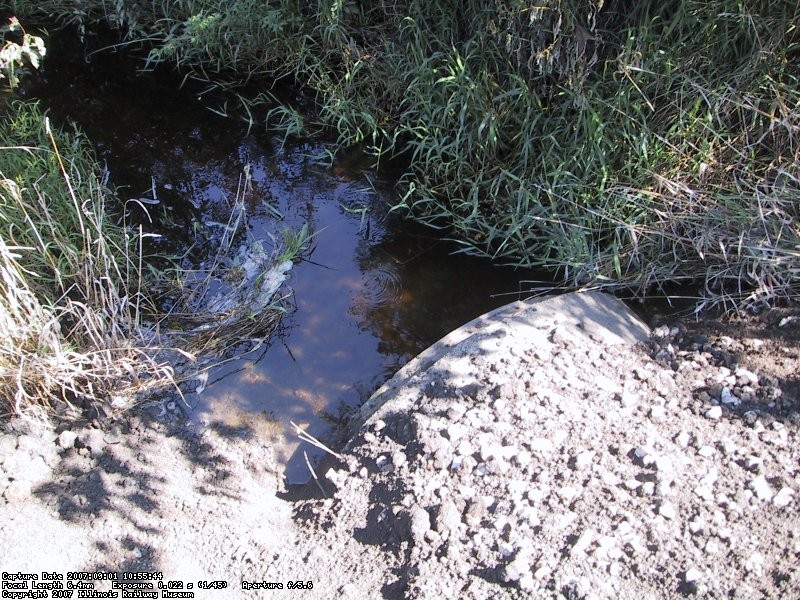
x=85 y=317
x=620 y=145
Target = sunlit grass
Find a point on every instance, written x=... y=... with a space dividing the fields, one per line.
x=627 y=144
x=83 y=314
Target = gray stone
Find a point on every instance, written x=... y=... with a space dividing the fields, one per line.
x=448 y=519
x=93 y=440
x=420 y=522
x=66 y=439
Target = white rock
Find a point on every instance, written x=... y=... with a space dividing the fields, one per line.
x=456 y=411
x=517 y=487
x=696 y=526
x=629 y=399
x=761 y=488
x=517 y=567
x=541 y=572
x=526 y=583
x=489 y=450
x=706 y=451
x=569 y=493
x=456 y=431
x=560 y=436
x=542 y=445
x=667 y=510
x=755 y=564
x=606 y=544
x=783 y=497
x=420 y=523
x=751 y=377
x=683 y=439
x=399 y=459
x=658 y=414
x=523 y=458
x=565 y=520
x=645 y=455
x=715 y=412
x=692 y=575
x=583 y=542
x=66 y=439
x=728 y=397
x=584 y=459
x=624 y=529
x=465 y=448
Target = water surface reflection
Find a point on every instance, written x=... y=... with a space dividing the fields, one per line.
x=373 y=292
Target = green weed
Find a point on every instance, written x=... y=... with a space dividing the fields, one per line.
x=624 y=144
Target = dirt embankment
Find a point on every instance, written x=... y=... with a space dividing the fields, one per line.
x=541 y=452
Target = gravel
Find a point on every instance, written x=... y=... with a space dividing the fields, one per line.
x=515 y=462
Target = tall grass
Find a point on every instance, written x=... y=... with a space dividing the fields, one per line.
x=83 y=316
x=71 y=306
x=625 y=144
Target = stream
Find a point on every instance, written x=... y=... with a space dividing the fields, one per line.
x=373 y=291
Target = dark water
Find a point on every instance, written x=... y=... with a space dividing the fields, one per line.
x=373 y=292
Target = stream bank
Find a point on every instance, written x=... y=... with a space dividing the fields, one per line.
x=528 y=460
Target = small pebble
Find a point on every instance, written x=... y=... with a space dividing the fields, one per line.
x=783 y=498
x=692 y=575
x=715 y=412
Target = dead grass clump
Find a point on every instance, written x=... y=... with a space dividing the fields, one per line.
x=80 y=316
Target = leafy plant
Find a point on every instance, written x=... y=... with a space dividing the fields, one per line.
x=82 y=315
x=14 y=57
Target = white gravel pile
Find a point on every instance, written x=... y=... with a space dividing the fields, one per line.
x=537 y=453
x=546 y=463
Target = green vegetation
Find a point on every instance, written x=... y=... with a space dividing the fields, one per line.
x=620 y=144
x=70 y=301
x=14 y=57
x=81 y=317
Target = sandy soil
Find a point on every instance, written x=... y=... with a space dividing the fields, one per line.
x=525 y=459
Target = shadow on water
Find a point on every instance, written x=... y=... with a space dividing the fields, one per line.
x=374 y=291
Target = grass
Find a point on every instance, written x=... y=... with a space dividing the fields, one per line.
x=619 y=145
x=83 y=316
x=70 y=298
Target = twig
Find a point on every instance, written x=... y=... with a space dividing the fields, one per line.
x=307 y=437
x=314 y=475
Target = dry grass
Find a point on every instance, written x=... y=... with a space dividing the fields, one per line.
x=80 y=317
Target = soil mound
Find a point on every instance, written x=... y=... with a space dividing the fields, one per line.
x=548 y=449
